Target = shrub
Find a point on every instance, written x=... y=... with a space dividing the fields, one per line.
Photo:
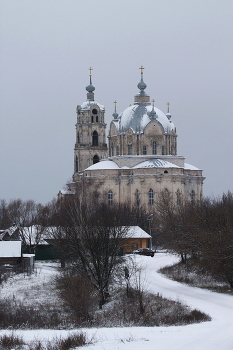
x=9 y=341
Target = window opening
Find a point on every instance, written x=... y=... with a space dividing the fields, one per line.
x=96 y=159
x=154 y=147
x=110 y=197
x=130 y=149
x=95 y=138
x=151 y=196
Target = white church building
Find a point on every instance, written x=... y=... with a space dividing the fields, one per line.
x=140 y=159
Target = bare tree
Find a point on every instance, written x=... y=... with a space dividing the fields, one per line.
x=90 y=237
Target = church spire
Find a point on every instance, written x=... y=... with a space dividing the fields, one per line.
x=142 y=97
x=90 y=88
x=168 y=111
x=115 y=114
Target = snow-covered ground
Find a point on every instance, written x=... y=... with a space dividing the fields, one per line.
x=214 y=335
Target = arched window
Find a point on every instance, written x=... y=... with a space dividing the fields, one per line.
x=154 y=147
x=76 y=164
x=95 y=138
x=96 y=159
x=137 y=198
x=151 y=196
x=110 y=197
x=130 y=149
x=192 y=196
x=178 y=197
x=94 y=111
x=166 y=193
x=112 y=150
x=97 y=119
x=92 y=118
x=163 y=150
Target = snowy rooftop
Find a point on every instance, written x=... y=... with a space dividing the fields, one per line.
x=155 y=163
x=136 y=232
x=9 y=249
x=106 y=164
x=88 y=104
x=137 y=117
x=103 y=164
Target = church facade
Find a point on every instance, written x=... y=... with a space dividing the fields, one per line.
x=141 y=158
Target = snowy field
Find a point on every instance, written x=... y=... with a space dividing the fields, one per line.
x=214 y=335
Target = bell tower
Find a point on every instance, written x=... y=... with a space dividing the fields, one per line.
x=90 y=144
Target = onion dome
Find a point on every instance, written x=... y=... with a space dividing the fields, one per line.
x=168 y=114
x=90 y=88
x=152 y=114
x=115 y=114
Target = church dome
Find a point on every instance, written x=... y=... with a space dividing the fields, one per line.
x=138 y=116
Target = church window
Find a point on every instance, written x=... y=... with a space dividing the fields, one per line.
x=92 y=118
x=154 y=147
x=166 y=193
x=97 y=119
x=112 y=149
x=151 y=196
x=137 y=198
x=117 y=150
x=95 y=138
x=110 y=197
x=163 y=150
x=178 y=197
x=165 y=172
x=192 y=196
x=130 y=150
x=94 y=111
x=144 y=151
x=96 y=159
x=76 y=163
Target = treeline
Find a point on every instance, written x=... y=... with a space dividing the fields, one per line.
x=200 y=230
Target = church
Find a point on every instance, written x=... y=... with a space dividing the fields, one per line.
x=140 y=159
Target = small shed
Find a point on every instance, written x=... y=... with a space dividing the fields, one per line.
x=10 y=252
x=136 y=238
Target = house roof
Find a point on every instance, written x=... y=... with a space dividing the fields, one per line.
x=136 y=232
x=10 y=249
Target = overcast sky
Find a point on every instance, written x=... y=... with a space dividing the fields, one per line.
x=46 y=48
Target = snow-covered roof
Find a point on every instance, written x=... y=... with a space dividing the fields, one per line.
x=103 y=164
x=10 y=249
x=137 y=117
x=67 y=192
x=190 y=167
x=34 y=235
x=88 y=104
x=155 y=163
x=106 y=164
x=136 y=232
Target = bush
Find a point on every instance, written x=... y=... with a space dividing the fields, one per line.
x=16 y=315
x=72 y=341
x=9 y=341
x=79 y=295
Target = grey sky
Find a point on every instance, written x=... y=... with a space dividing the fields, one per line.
x=46 y=48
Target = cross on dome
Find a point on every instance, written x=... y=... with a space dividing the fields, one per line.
x=90 y=69
x=115 y=114
x=141 y=69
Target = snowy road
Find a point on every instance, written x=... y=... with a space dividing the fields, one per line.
x=214 y=335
